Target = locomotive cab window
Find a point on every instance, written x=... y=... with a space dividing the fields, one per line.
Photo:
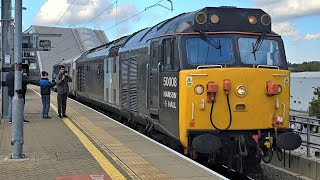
x=170 y=55
x=267 y=54
x=154 y=55
x=206 y=51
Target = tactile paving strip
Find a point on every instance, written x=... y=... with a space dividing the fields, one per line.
x=129 y=163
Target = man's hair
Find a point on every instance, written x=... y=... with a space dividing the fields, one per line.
x=13 y=66
x=61 y=67
x=44 y=73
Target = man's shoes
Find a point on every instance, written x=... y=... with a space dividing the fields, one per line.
x=47 y=117
x=64 y=115
x=25 y=121
x=60 y=117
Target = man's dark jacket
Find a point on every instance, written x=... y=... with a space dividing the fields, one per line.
x=10 y=83
x=62 y=85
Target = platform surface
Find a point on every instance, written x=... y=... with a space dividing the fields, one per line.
x=88 y=145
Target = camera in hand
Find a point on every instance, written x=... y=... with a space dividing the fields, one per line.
x=64 y=72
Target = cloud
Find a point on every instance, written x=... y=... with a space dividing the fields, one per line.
x=287 y=9
x=286 y=29
x=81 y=12
x=312 y=36
x=121 y=13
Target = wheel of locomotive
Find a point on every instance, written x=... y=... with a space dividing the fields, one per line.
x=141 y=129
x=266 y=154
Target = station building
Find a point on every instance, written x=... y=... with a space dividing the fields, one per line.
x=302 y=89
x=66 y=43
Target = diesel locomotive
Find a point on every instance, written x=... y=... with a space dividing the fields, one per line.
x=213 y=84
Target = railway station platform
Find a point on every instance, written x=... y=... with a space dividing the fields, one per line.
x=88 y=145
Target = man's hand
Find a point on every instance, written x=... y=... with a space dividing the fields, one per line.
x=63 y=77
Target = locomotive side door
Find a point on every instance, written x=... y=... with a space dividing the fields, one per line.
x=154 y=75
x=169 y=82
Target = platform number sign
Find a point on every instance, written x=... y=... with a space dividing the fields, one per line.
x=189 y=81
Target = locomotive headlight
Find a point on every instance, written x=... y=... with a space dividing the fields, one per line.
x=199 y=89
x=214 y=19
x=241 y=91
x=279 y=89
x=201 y=18
x=265 y=20
x=252 y=20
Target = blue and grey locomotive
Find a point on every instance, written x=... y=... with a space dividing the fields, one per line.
x=212 y=83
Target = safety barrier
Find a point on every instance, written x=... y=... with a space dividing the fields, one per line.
x=298 y=123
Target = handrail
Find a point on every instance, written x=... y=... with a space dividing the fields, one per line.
x=299 y=122
x=159 y=74
x=280 y=75
x=209 y=66
x=268 y=66
x=303 y=117
x=309 y=122
x=147 y=84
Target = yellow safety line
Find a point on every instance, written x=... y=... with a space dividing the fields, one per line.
x=101 y=159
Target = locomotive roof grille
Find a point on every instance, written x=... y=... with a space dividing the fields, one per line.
x=231 y=19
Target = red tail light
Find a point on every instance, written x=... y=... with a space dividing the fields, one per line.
x=272 y=88
x=212 y=89
x=226 y=86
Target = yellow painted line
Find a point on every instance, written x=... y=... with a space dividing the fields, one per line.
x=101 y=159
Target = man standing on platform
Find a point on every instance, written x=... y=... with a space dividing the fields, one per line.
x=62 y=80
x=10 y=85
x=25 y=81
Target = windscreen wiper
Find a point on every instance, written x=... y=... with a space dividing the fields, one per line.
x=215 y=44
x=256 y=46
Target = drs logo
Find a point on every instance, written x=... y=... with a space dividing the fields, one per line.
x=170 y=81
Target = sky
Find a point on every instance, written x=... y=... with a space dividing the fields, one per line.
x=297 y=21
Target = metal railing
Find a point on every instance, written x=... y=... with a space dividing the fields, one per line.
x=300 y=123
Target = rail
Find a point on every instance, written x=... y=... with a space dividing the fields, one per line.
x=312 y=124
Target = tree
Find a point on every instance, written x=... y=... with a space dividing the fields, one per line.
x=314 y=109
x=305 y=66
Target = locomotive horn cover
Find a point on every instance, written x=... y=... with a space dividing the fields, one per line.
x=289 y=141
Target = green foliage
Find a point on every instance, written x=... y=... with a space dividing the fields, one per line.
x=305 y=66
x=314 y=109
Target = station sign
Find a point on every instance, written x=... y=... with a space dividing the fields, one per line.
x=45 y=45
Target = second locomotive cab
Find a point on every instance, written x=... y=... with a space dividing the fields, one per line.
x=212 y=83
